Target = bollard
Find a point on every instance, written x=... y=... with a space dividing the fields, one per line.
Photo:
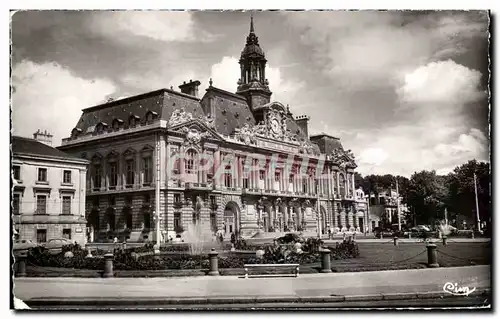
x=214 y=263
x=325 y=260
x=21 y=266
x=409 y=235
x=381 y=235
x=472 y=235
x=108 y=266
x=395 y=241
x=432 y=256
x=445 y=240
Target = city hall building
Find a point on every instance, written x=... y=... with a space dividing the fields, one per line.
x=231 y=162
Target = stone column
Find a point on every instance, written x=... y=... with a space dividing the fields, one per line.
x=353 y=187
x=182 y=165
x=355 y=218
x=338 y=182
x=343 y=219
x=350 y=216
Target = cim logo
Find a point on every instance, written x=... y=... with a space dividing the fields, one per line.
x=454 y=289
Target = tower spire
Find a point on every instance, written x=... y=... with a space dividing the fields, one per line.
x=251 y=23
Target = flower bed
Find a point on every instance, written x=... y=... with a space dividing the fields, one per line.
x=173 y=257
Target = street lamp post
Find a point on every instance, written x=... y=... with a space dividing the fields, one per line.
x=318 y=208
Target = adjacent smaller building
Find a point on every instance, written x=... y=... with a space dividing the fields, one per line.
x=383 y=209
x=48 y=193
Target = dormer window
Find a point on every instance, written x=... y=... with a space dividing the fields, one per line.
x=150 y=116
x=117 y=123
x=133 y=120
x=75 y=132
x=101 y=127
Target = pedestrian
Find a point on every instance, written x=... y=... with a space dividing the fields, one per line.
x=329 y=233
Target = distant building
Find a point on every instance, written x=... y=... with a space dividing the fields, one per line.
x=48 y=197
x=383 y=209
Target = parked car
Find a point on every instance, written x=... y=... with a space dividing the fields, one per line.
x=24 y=244
x=385 y=232
x=421 y=228
x=55 y=245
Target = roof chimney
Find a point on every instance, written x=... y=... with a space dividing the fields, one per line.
x=190 y=88
x=303 y=123
x=43 y=137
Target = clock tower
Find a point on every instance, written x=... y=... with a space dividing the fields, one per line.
x=253 y=84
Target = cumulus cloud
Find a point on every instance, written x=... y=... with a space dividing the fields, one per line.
x=158 y=25
x=441 y=82
x=375 y=48
x=49 y=97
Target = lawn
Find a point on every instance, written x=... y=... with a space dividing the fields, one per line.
x=380 y=256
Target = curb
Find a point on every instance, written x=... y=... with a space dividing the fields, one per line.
x=151 y=301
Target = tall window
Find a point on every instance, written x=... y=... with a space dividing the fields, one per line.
x=177 y=164
x=147 y=220
x=16 y=201
x=129 y=165
x=213 y=222
x=97 y=176
x=177 y=198
x=177 y=220
x=191 y=163
x=341 y=185
x=66 y=177
x=277 y=176
x=66 y=233
x=113 y=174
x=41 y=204
x=17 y=172
x=66 y=206
x=147 y=164
x=262 y=174
x=42 y=175
x=228 y=179
x=128 y=201
x=41 y=235
x=245 y=182
x=210 y=171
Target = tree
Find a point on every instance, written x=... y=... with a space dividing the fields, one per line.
x=461 y=198
x=426 y=195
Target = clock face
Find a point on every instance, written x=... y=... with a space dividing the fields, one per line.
x=275 y=126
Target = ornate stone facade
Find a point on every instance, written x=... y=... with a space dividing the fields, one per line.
x=229 y=162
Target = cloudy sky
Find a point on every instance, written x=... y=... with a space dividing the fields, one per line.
x=405 y=91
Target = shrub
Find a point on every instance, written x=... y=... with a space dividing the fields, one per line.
x=312 y=245
x=345 y=250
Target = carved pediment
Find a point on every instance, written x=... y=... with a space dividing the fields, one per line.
x=129 y=152
x=306 y=147
x=112 y=154
x=180 y=116
x=343 y=157
x=147 y=148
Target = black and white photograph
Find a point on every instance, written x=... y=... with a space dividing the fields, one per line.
x=250 y=160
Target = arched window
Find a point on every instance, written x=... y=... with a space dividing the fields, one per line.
x=341 y=184
x=191 y=162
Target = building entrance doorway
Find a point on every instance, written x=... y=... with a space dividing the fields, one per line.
x=361 y=224
x=230 y=219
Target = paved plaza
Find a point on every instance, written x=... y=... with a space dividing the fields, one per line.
x=307 y=285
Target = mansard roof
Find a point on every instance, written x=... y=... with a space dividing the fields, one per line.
x=162 y=102
x=327 y=143
x=231 y=110
x=29 y=146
